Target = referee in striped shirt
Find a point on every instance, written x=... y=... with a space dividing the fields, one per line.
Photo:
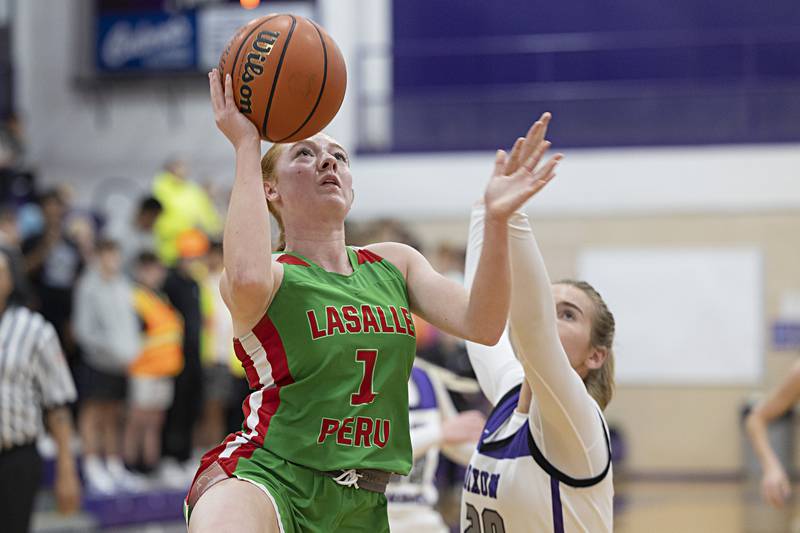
x=34 y=378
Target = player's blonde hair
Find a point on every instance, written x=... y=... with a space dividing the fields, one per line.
x=599 y=382
x=269 y=175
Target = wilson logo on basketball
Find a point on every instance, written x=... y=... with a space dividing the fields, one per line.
x=261 y=48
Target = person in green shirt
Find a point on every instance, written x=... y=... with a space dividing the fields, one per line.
x=325 y=334
x=186 y=205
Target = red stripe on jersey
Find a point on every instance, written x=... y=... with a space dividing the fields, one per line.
x=270 y=401
x=365 y=256
x=267 y=334
x=292 y=260
x=247 y=363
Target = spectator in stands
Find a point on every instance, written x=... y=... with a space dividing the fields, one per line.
x=10 y=246
x=138 y=236
x=34 y=377
x=53 y=263
x=217 y=353
x=107 y=331
x=186 y=205
x=150 y=381
x=183 y=292
x=12 y=144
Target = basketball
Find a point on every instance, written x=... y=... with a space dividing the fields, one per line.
x=289 y=76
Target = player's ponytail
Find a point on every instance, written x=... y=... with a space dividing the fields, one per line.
x=268 y=175
x=599 y=382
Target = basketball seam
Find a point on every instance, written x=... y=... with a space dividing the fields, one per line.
x=275 y=79
x=322 y=87
x=239 y=51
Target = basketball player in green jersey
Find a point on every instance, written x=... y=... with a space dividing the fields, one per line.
x=325 y=335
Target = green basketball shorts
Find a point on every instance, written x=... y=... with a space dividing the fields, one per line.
x=305 y=501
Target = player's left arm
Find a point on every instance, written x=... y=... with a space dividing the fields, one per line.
x=477 y=316
x=480 y=314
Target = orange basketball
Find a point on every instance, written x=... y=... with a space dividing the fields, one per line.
x=288 y=75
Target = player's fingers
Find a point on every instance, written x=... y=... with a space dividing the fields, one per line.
x=549 y=166
x=531 y=141
x=546 y=174
x=229 y=91
x=499 y=162
x=215 y=89
x=535 y=157
x=513 y=160
x=542 y=183
x=545 y=120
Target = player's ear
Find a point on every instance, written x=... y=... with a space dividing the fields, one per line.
x=597 y=358
x=271 y=192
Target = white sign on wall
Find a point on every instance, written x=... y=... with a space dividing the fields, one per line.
x=684 y=316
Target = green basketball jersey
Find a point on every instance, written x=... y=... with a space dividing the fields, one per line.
x=329 y=365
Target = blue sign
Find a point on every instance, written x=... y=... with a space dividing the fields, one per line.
x=150 y=41
x=786 y=335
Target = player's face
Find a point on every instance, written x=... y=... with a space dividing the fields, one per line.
x=314 y=177
x=574 y=311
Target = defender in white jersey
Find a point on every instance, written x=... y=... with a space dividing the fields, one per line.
x=543 y=462
x=435 y=426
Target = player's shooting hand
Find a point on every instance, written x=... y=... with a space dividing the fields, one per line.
x=230 y=121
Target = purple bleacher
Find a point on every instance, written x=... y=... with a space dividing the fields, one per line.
x=127 y=508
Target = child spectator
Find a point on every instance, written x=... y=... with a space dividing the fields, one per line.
x=150 y=381
x=107 y=331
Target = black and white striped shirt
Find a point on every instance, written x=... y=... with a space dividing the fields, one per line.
x=33 y=375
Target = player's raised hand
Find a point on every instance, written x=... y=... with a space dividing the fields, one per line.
x=518 y=176
x=524 y=146
x=229 y=119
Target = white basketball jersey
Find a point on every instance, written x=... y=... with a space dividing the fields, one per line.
x=411 y=498
x=511 y=487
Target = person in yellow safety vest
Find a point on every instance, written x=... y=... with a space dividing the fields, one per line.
x=150 y=375
x=186 y=205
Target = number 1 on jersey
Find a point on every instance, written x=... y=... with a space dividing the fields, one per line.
x=365 y=393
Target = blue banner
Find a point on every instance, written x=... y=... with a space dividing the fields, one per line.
x=147 y=42
x=786 y=335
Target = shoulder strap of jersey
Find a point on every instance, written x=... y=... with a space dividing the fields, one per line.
x=557 y=474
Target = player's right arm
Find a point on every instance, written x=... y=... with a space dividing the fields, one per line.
x=573 y=437
x=775 y=486
x=248 y=283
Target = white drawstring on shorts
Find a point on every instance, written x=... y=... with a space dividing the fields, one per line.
x=348 y=478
